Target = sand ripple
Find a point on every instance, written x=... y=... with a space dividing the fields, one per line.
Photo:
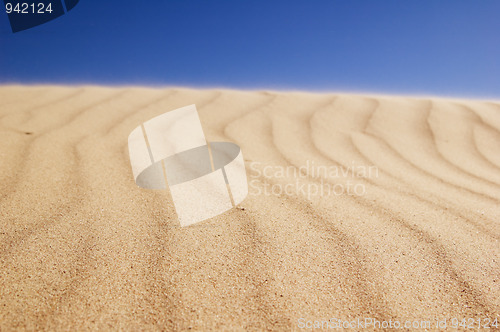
x=83 y=248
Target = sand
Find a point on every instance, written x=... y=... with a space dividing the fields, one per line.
x=411 y=232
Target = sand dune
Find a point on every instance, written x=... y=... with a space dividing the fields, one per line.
x=82 y=247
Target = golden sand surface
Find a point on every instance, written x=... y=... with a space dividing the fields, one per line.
x=83 y=248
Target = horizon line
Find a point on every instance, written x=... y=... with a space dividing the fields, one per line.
x=274 y=89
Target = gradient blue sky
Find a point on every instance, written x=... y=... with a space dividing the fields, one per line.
x=449 y=48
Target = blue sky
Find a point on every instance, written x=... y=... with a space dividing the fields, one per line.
x=449 y=48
